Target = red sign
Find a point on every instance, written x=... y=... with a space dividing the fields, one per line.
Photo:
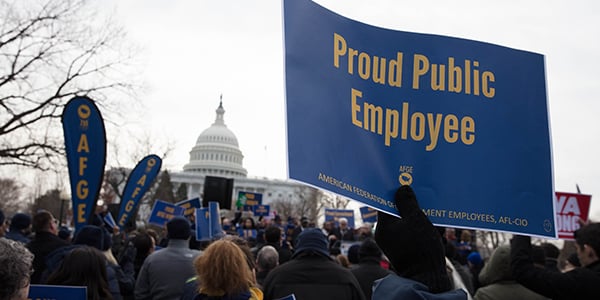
x=570 y=208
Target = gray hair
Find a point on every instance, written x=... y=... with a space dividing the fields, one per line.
x=16 y=261
x=267 y=258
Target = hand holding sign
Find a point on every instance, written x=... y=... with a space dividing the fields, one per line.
x=412 y=244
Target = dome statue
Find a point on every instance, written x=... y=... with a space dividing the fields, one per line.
x=217 y=152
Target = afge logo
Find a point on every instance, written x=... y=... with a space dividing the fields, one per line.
x=405 y=177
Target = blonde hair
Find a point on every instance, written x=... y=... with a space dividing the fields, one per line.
x=222 y=269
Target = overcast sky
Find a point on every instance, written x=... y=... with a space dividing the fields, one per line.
x=194 y=51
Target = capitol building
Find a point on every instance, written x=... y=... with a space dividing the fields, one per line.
x=217 y=153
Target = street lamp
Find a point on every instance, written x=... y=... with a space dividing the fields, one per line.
x=64 y=197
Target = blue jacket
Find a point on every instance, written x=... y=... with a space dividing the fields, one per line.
x=396 y=287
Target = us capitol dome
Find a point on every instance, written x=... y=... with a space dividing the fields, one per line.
x=217 y=152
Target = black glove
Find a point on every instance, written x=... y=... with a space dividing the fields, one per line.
x=412 y=244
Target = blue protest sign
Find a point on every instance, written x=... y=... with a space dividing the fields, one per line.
x=163 y=211
x=203 y=226
x=215 y=219
x=248 y=198
x=247 y=233
x=85 y=146
x=261 y=210
x=189 y=205
x=465 y=123
x=368 y=214
x=332 y=214
x=139 y=181
x=40 y=291
x=108 y=219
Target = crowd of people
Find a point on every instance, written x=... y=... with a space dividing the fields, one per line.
x=266 y=258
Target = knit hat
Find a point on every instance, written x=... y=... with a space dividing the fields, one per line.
x=178 y=228
x=353 y=255
x=92 y=236
x=474 y=258
x=312 y=239
x=20 y=221
x=369 y=249
x=412 y=244
x=64 y=232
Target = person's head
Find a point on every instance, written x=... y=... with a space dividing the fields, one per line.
x=144 y=244
x=550 y=250
x=245 y=247
x=83 y=266
x=273 y=234
x=311 y=241
x=249 y=223
x=267 y=258
x=44 y=221
x=21 y=222
x=222 y=269
x=93 y=236
x=178 y=228
x=304 y=222
x=450 y=234
x=16 y=262
x=343 y=223
x=328 y=225
x=465 y=236
x=587 y=242
x=474 y=259
x=369 y=250
x=497 y=267
x=353 y=255
x=65 y=233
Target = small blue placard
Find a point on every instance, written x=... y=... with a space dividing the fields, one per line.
x=368 y=214
x=203 y=226
x=189 y=205
x=332 y=214
x=163 y=211
x=261 y=210
x=58 y=292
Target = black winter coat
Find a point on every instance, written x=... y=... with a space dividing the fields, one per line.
x=581 y=283
x=43 y=244
x=312 y=277
x=367 y=272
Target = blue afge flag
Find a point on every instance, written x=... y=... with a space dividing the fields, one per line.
x=85 y=146
x=138 y=183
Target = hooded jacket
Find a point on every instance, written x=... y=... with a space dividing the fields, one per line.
x=497 y=282
x=394 y=287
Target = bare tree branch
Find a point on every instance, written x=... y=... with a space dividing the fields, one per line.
x=51 y=51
